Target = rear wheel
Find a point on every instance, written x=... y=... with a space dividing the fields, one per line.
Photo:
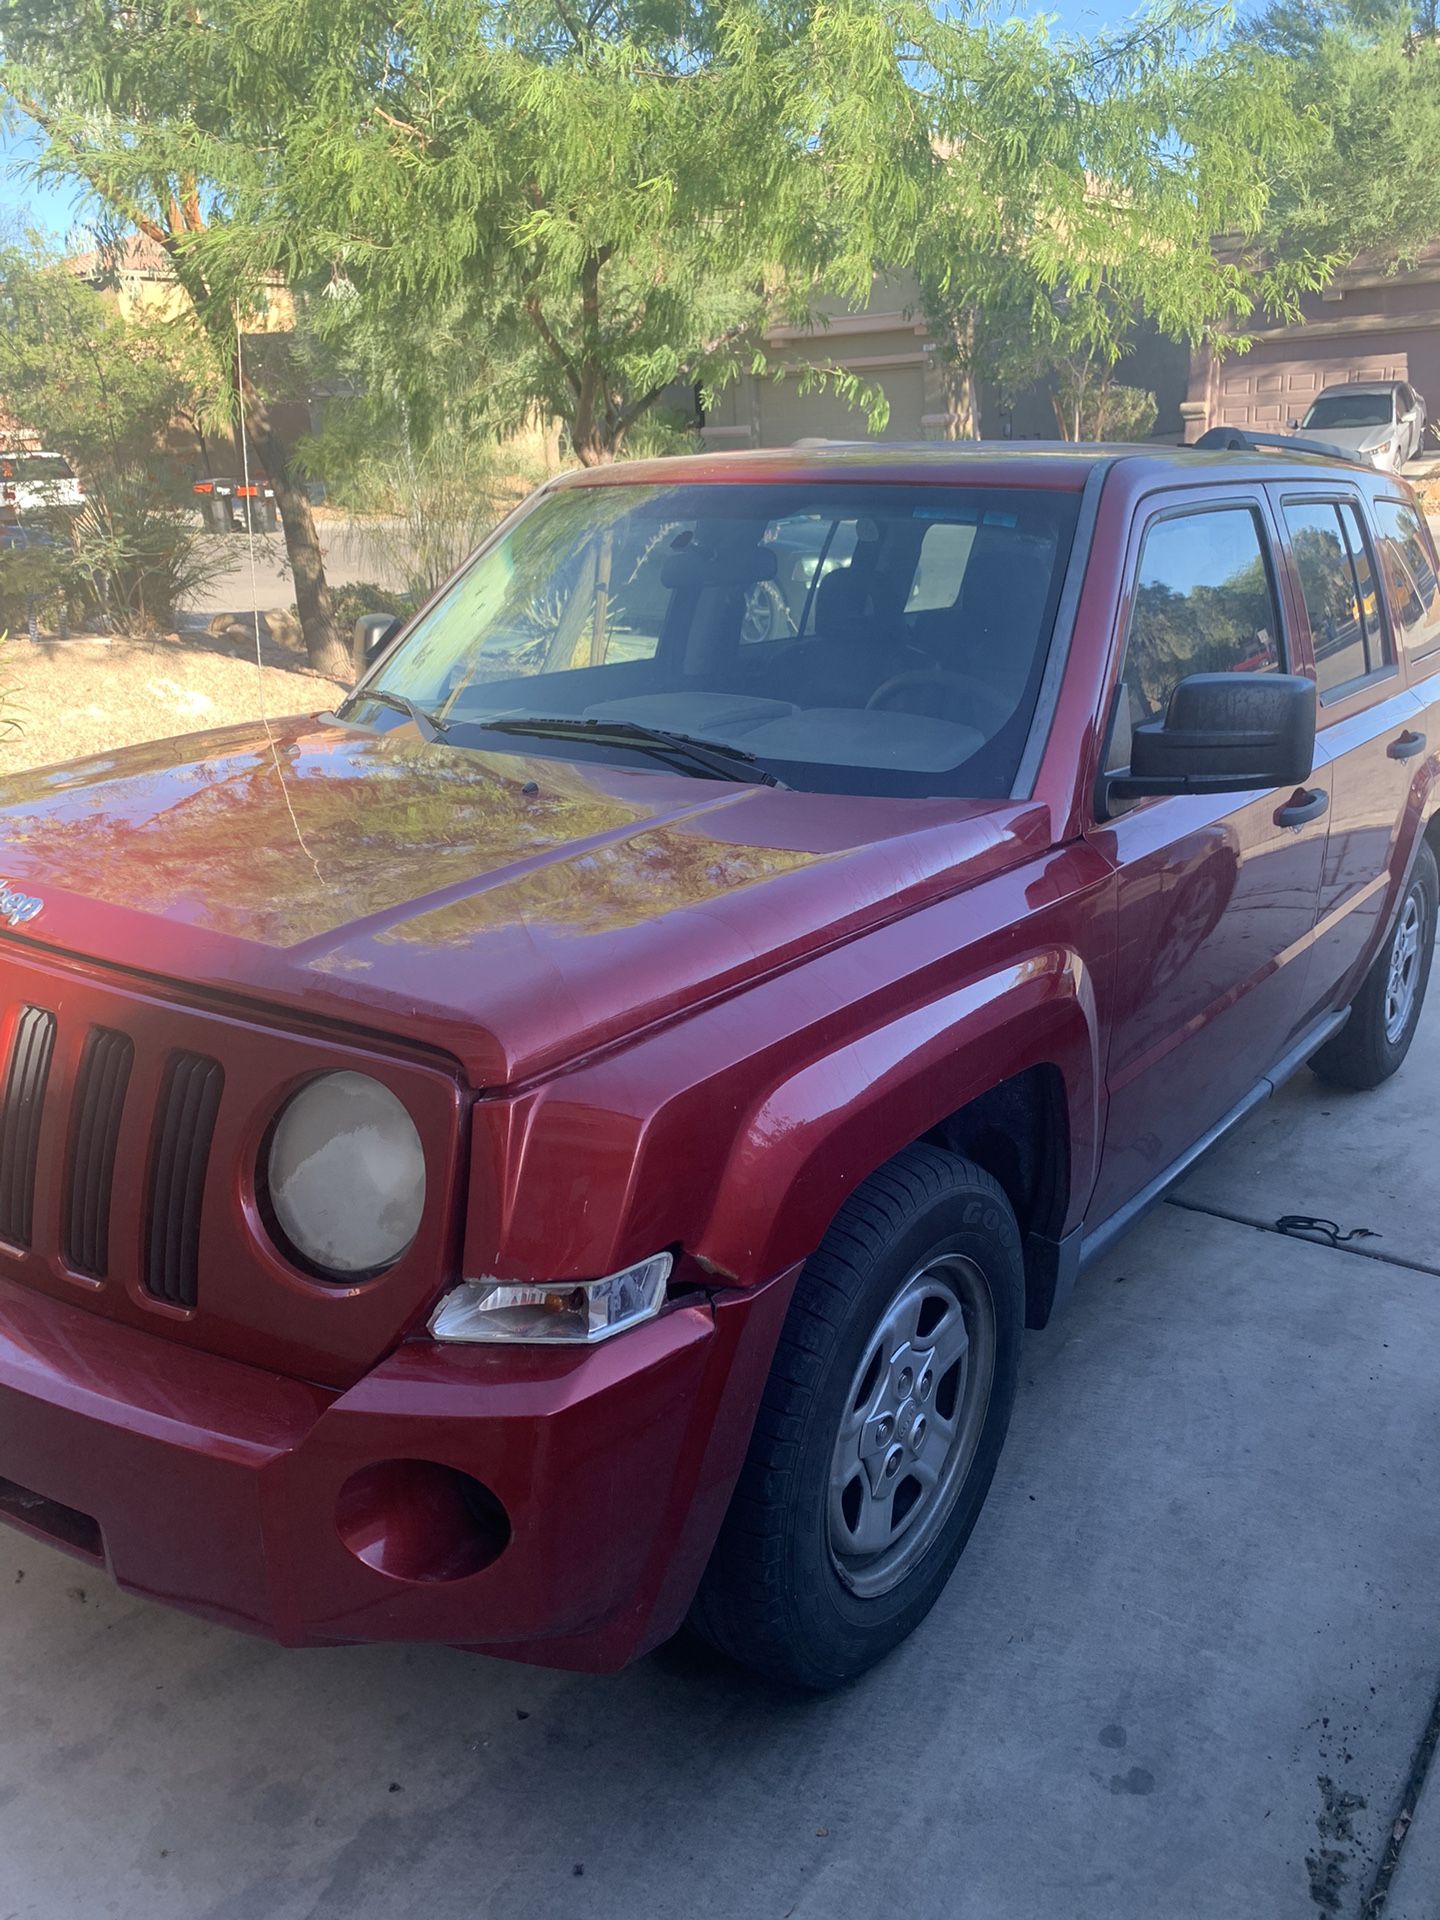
x=880 y=1427
x=1376 y=1038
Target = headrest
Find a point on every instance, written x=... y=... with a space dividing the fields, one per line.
x=842 y=601
x=699 y=566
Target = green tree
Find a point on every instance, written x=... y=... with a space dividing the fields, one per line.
x=101 y=389
x=1366 y=73
x=614 y=200
x=153 y=111
x=1154 y=139
x=104 y=392
x=611 y=201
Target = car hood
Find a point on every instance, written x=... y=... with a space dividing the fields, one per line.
x=1353 y=440
x=511 y=910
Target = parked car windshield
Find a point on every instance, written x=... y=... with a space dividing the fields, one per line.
x=35 y=466
x=1352 y=410
x=861 y=639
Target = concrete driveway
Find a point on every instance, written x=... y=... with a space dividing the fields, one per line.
x=1181 y=1674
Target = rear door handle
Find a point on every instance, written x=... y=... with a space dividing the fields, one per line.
x=1406 y=746
x=1304 y=807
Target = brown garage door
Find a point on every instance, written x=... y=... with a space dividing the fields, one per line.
x=1270 y=387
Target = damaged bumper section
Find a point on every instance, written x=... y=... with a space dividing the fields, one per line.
x=551 y=1504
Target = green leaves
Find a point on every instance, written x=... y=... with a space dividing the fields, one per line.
x=611 y=202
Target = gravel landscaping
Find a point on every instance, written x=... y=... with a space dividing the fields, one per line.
x=72 y=698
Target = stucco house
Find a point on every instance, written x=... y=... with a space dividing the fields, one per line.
x=890 y=344
x=1368 y=324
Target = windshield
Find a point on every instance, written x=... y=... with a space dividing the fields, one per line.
x=1352 y=410
x=880 y=639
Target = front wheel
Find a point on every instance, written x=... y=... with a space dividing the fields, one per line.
x=880 y=1427
x=1386 y=1011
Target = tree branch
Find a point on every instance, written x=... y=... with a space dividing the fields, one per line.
x=627 y=416
x=122 y=203
x=557 y=352
x=401 y=126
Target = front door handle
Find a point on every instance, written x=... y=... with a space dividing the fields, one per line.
x=1406 y=746
x=1306 y=806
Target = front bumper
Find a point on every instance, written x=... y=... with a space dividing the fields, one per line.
x=227 y=1491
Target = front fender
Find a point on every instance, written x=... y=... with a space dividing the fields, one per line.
x=810 y=1140
x=736 y=1132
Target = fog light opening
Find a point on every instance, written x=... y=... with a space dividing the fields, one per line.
x=418 y=1520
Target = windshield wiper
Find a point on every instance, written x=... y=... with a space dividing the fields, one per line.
x=716 y=758
x=431 y=726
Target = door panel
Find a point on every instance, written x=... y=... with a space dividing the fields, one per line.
x=1216 y=906
x=1216 y=902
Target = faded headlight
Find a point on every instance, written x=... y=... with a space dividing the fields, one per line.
x=582 y=1311
x=346 y=1175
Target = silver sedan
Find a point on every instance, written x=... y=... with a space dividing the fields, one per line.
x=1381 y=421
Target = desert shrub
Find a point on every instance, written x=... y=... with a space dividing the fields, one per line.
x=135 y=554
x=363 y=596
x=1091 y=406
x=431 y=501
x=36 y=583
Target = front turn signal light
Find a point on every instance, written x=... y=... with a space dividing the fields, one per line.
x=577 y=1312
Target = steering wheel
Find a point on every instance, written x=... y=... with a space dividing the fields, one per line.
x=984 y=708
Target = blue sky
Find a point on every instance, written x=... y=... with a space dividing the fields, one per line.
x=55 y=209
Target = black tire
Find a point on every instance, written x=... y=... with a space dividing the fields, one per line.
x=1364 y=1052
x=774 y=1596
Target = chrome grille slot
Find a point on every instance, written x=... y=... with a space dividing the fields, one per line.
x=180 y=1151
x=25 y=1082
x=94 y=1134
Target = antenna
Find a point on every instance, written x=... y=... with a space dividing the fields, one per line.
x=255 y=593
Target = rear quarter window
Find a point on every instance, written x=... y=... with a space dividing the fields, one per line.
x=1407 y=564
x=1332 y=564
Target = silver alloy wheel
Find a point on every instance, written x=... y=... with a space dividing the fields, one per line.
x=1404 y=974
x=912 y=1422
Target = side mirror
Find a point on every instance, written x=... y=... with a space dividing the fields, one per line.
x=1224 y=733
x=371 y=634
x=1294 y=426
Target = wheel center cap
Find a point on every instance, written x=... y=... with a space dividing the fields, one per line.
x=905 y=1422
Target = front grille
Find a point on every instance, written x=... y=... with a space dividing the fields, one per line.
x=30 y=1050
x=94 y=1134
x=184 y=1122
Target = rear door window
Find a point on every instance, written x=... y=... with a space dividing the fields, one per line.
x=1337 y=582
x=807 y=547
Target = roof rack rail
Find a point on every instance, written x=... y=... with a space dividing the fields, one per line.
x=1238 y=440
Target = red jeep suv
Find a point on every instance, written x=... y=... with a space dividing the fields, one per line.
x=574 y=1138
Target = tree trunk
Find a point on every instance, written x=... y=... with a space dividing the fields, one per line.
x=593 y=450
x=326 y=647
x=957 y=374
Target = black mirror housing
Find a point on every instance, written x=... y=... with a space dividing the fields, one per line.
x=1225 y=733
x=372 y=633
